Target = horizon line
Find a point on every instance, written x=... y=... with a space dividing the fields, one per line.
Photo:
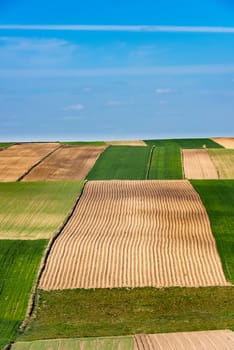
x=120 y=28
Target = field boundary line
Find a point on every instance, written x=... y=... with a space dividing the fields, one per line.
x=182 y=163
x=37 y=163
x=33 y=294
x=149 y=162
x=108 y=146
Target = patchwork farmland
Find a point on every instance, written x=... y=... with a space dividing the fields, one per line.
x=226 y=142
x=135 y=233
x=67 y=163
x=144 y=227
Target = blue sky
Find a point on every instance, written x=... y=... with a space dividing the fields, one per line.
x=93 y=70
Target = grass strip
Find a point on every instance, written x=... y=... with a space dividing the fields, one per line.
x=5 y=144
x=113 y=312
x=32 y=210
x=121 y=163
x=19 y=263
x=218 y=199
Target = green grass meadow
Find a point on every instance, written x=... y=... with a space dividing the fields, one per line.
x=121 y=163
x=32 y=210
x=218 y=199
x=5 y=144
x=102 y=343
x=120 y=311
x=19 y=263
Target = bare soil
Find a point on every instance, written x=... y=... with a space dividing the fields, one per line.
x=226 y=142
x=135 y=234
x=17 y=159
x=205 y=340
x=197 y=164
x=67 y=163
x=126 y=143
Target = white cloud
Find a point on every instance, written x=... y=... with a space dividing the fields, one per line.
x=163 y=91
x=122 y=28
x=77 y=107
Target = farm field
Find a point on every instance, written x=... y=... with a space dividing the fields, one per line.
x=67 y=163
x=197 y=164
x=224 y=162
x=102 y=343
x=226 y=142
x=5 y=144
x=218 y=199
x=132 y=234
x=127 y=143
x=16 y=160
x=35 y=210
x=83 y=143
x=121 y=311
x=121 y=163
x=206 y=340
x=19 y=262
x=184 y=143
x=211 y=340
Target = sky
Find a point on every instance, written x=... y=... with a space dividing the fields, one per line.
x=112 y=70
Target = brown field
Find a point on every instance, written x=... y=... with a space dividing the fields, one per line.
x=226 y=142
x=135 y=234
x=67 y=163
x=18 y=159
x=197 y=164
x=204 y=340
x=126 y=143
x=224 y=162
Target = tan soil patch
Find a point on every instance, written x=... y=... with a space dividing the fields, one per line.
x=224 y=162
x=126 y=143
x=198 y=165
x=227 y=142
x=17 y=159
x=135 y=234
x=67 y=163
x=205 y=340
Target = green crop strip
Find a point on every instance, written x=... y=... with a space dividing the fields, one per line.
x=121 y=163
x=184 y=143
x=19 y=263
x=111 y=312
x=218 y=199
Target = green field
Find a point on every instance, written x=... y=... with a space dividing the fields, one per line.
x=5 y=144
x=218 y=199
x=19 y=262
x=83 y=143
x=110 y=312
x=121 y=163
x=184 y=143
x=224 y=162
x=102 y=343
x=34 y=210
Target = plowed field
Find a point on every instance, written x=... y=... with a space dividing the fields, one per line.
x=127 y=143
x=135 y=233
x=226 y=142
x=17 y=159
x=210 y=340
x=224 y=162
x=67 y=163
x=198 y=165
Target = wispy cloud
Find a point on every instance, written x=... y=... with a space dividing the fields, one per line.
x=128 y=71
x=77 y=107
x=71 y=117
x=122 y=28
x=163 y=91
x=116 y=103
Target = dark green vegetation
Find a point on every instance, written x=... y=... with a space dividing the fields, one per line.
x=218 y=199
x=19 y=263
x=84 y=143
x=35 y=209
x=105 y=312
x=107 y=343
x=121 y=163
x=166 y=163
x=5 y=144
x=184 y=143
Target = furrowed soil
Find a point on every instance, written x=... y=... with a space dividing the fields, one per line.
x=67 y=163
x=224 y=162
x=135 y=233
x=210 y=340
x=17 y=159
x=198 y=164
x=226 y=142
